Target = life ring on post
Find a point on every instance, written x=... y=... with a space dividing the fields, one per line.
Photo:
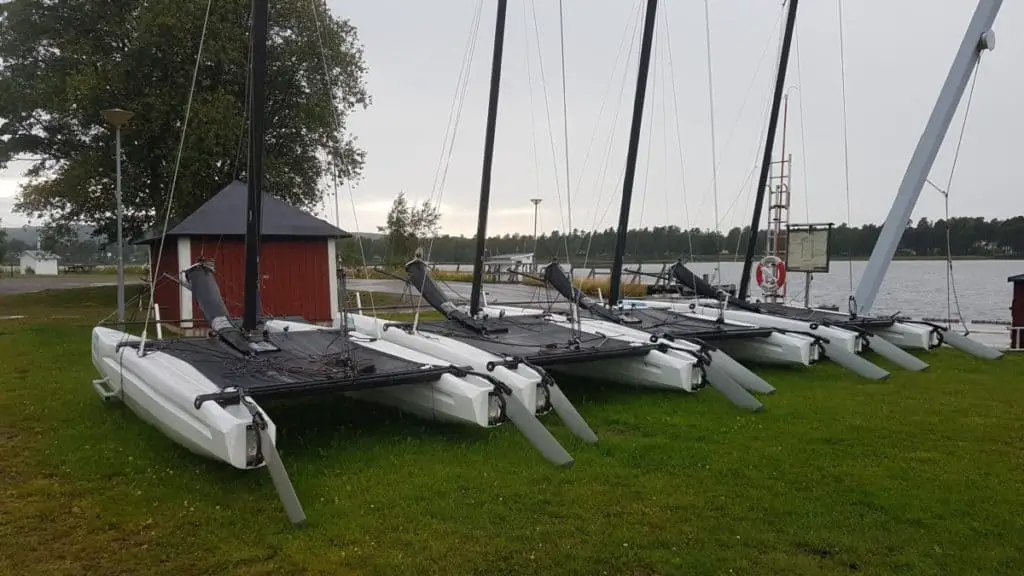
x=771 y=274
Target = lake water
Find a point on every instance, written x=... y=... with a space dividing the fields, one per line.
x=916 y=288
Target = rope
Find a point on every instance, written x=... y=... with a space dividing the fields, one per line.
x=846 y=140
x=454 y=116
x=714 y=146
x=551 y=135
x=679 y=136
x=950 y=276
x=574 y=314
x=803 y=137
x=177 y=166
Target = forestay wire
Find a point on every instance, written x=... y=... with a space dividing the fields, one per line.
x=950 y=276
x=174 y=176
x=846 y=141
x=333 y=164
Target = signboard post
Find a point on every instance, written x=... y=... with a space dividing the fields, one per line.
x=809 y=252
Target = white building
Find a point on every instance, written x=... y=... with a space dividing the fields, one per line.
x=40 y=262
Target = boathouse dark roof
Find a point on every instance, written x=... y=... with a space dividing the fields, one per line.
x=1017 y=278
x=224 y=215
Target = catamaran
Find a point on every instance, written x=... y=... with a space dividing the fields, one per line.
x=204 y=393
x=486 y=342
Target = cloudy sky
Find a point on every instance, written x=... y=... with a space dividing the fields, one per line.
x=897 y=56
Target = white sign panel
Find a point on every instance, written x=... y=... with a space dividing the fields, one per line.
x=808 y=250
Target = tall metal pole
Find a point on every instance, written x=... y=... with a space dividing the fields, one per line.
x=536 y=205
x=120 y=233
x=633 y=150
x=978 y=38
x=117 y=117
x=485 y=183
x=254 y=201
x=766 y=160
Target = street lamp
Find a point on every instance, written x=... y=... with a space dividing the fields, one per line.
x=117 y=117
x=536 y=203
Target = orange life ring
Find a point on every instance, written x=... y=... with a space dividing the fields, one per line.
x=771 y=274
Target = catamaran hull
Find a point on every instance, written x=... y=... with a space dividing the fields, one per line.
x=777 y=349
x=522 y=380
x=161 y=390
x=848 y=340
x=660 y=370
x=448 y=399
x=911 y=336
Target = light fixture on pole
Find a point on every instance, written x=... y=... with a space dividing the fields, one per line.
x=117 y=117
x=536 y=204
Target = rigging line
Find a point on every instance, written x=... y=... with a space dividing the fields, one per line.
x=459 y=101
x=533 y=115
x=714 y=145
x=629 y=32
x=332 y=161
x=650 y=138
x=679 y=133
x=547 y=113
x=950 y=276
x=455 y=108
x=335 y=125
x=177 y=166
x=246 y=107
x=750 y=87
x=803 y=137
x=846 y=141
x=599 y=216
x=573 y=310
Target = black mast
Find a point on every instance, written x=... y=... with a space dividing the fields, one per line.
x=254 y=208
x=634 y=146
x=766 y=161
x=485 y=184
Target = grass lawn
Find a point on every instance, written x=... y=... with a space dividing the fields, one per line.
x=917 y=475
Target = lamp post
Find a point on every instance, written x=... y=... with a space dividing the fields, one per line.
x=117 y=117
x=536 y=204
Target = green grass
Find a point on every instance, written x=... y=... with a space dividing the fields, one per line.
x=917 y=475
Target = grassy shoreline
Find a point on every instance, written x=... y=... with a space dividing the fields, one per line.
x=916 y=475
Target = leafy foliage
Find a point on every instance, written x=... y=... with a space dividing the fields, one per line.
x=3 y=243
x=406 y=226
x=968 y=237
x=64 y=61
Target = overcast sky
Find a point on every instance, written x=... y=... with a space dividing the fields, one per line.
x=897 y=56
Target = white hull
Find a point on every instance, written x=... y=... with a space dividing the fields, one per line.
x=846 y=339
x=449 y=399
x=910 y=336
x=656 y=369
x=161 y=390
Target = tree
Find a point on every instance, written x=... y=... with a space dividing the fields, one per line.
x=3 y=243
x=406 y=226
x=64 y=61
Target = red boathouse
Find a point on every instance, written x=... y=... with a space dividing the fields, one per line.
x=298 y=263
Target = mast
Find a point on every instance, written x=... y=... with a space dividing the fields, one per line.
x=978 y=38
x=766 y=160
x=485 y=184
x=254 y=202
x=631 y=154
